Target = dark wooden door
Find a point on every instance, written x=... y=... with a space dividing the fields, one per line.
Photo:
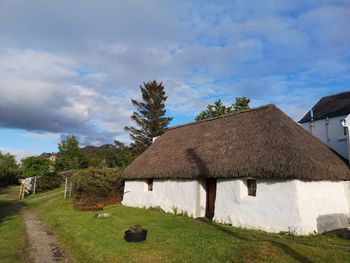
x=211 y=195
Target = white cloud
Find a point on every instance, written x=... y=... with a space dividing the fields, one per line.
x=18 y=153
x=40 y=91
x=73 y=72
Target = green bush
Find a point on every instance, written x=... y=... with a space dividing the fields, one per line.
x=37 y=166
x=9 y=172
x=94 y=185
x=48 y=182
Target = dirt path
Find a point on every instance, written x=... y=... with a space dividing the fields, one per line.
x=43 y=245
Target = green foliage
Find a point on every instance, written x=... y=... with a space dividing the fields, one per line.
x=241 y=104
x=218 y=109
x=102 y=158
x=70 y=156
x=108 y=156
x=125 y=154
x=9 y=171
x=136 y=228
x=45 y=169
x=94 y=184
x=214 y=110
x=36 y=166
x=149 y=116
x=48 y=182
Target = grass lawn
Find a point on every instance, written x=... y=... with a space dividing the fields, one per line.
x=176 y=238
x=12 y=232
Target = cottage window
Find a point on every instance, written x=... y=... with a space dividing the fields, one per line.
x=150 y=184
x=344 y=129
x=251 y=185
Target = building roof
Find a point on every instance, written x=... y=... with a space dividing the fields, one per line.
x=261 y=143
x=330 y=106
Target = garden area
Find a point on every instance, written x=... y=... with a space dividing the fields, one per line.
x=170 y=238
x=46 y=224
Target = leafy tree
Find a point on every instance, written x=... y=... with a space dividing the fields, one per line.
x=149 y=116
x=241 y=104
x=9 y=170
x=36 y=166
x=125 y=154
x=218 y=109
x=70 y=156
x=214 y=110
x=101 y=157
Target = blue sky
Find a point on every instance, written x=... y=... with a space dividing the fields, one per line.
x=71 y=67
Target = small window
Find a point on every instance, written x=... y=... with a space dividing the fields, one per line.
x=251 y=185
x=150 y=184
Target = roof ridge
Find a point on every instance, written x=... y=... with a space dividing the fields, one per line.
x=223 y=116
x=335 y=94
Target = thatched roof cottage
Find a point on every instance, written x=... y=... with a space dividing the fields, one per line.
x=255 y=169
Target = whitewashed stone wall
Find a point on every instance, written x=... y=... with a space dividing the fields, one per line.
x=187 y=196
x=295 y=206
x=323 y=205
x=290 y=205
x=273 y=209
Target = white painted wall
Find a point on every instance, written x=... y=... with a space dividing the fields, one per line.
x=323 y=205
x=273 y=209
x=295 y=206
x=186 y=195
x=336 y=139
x=287 y=205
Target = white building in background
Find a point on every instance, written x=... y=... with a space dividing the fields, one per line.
x=255 y=169
x=327 y=121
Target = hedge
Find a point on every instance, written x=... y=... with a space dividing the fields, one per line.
x=94 y=185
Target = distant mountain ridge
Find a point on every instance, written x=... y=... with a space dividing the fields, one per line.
x=88 y=150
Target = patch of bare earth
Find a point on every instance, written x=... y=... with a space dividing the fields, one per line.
x=43 y=245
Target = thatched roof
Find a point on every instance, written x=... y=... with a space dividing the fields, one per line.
x=261 y=143
x=330 y=106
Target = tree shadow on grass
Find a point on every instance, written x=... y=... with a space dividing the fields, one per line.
x=281 y=245
x=291 y=252
x=10 y=208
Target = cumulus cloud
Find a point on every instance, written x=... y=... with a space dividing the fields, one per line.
x=38 y=93
x=72 y=67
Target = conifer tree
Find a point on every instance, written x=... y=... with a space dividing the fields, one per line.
x=149 y=116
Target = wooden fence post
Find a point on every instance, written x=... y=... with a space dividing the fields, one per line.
x=65 y=187
x=34 y=190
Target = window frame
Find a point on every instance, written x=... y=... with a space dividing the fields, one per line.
x=150 y=185
x=343 y=128
x=251 y=187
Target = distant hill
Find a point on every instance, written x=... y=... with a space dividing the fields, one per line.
x=45 y=155
x=89 y=150
x=107 y=155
